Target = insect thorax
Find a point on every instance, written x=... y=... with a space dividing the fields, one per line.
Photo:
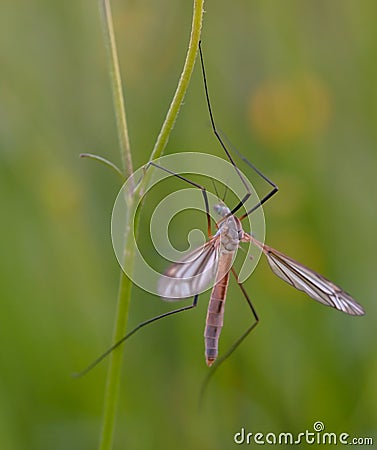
x=230 y=229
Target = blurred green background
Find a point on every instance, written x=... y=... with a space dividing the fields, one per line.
x=293 y=87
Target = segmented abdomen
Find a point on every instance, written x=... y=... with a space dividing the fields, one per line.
x=215 y=318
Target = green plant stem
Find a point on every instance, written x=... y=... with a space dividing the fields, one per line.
x=116 y=83
x=106 y=162
x=171 y=116
x=116 y=357
x=125 y=284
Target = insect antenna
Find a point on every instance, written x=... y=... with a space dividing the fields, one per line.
x=215 y=189
x=225 y=192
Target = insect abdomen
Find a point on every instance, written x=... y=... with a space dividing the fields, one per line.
x=215 y=319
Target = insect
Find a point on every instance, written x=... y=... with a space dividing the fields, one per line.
x=214 y=260
x=186 y=276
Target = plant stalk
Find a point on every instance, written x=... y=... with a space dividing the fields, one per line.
x=116 y=85
x=171 y=116
x=125 y=284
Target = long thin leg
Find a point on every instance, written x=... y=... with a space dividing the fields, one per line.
x=235 y=345
x=222 y=143
x=273 y=191
x=128 y=335
x=202 y=188
x=170 y=313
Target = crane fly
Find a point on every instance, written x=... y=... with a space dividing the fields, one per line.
x=214 y=261
x=183 y=278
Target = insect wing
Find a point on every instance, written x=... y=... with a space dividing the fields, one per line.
x=312 y=283
x=191 y=275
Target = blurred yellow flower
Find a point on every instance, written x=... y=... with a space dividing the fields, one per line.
x=283 y=111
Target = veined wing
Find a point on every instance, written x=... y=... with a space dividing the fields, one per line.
x=191 y=275
x=312 y=283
